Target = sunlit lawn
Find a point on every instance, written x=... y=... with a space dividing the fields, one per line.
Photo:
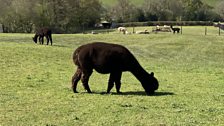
x=36 y=80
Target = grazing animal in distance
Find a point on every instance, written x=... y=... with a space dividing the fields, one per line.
x=175 y=29
x=110 y=59
x=221 y=26
x=41 y=33
x=122 y=29
x=142 y=32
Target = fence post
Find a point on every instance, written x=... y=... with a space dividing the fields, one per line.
x=219 y=30
x=133 y=31
x=181 y=29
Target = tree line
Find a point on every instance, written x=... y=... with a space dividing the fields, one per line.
x=70 y=16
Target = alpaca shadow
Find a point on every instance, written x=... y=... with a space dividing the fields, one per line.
x=141 y=93
x=60 y=46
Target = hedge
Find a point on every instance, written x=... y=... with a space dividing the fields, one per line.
x=154 y=23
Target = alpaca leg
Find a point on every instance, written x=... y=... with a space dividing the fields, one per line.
x=85 y=79
x=40 y=39
x=47 y=39
x=50 y=37
x=111 y=82
x=118 y=81
x=75 y=79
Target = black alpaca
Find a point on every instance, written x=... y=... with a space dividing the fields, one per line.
x=109 y=58
x=41 y=33
x=221 y=26
x=175 y=29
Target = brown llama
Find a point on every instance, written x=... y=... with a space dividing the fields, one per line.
x=110 y=59
x=41 y=33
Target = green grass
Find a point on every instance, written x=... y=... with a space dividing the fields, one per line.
x=113 y=2
x=212 y=2
x=36 y=80
x=140 y=2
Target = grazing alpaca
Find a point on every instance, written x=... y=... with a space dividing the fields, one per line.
x=41 y=33
x=221 y=26
x=122 y=29
x=109 y=58
x=142 y=32
x=175 y=29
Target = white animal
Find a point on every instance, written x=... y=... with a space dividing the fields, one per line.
x=122 y=29
x=142 y=32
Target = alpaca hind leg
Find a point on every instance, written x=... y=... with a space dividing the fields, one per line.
x=75 y=79
x=40 y=40
x=85 y=79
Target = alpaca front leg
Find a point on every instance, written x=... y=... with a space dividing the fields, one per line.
x=111 y=82
x=47 y=39
x=118 y=86
x=40 y=39
x=75 y=79
x=50 y=37
x=118 y=82
x=110 y=86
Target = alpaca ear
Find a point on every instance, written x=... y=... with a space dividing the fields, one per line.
x=152 y=74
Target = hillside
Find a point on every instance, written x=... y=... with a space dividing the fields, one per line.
x=139 y=2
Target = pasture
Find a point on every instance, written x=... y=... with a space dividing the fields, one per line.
x=110 y=3
x=35 y=81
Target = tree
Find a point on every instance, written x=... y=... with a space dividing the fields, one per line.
x=16 y=17
x=163 y=9
x=60 y=15
x=83 y=13
x=220 y=10
x=196 y=10
x=124 y=11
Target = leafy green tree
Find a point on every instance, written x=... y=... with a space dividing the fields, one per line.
x=220 y=10
x=163 y=9
x=83 y=14
x=16 y=17
x=60 y=15
x=124 y=11
x=196 y=10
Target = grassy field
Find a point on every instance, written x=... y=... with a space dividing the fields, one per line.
x=140 y=2
x=113 y=2
x=212 y=2
x=36 y=80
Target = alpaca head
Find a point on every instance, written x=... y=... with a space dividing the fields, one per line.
x=150 y=84
x=35 y=39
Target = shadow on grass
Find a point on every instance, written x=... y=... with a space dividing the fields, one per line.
x=59 y=46
x=140 y=93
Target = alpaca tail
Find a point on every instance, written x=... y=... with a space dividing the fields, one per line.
x=76 y=57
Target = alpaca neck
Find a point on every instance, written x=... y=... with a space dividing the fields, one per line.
x=36 y=36
x=140 y=73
